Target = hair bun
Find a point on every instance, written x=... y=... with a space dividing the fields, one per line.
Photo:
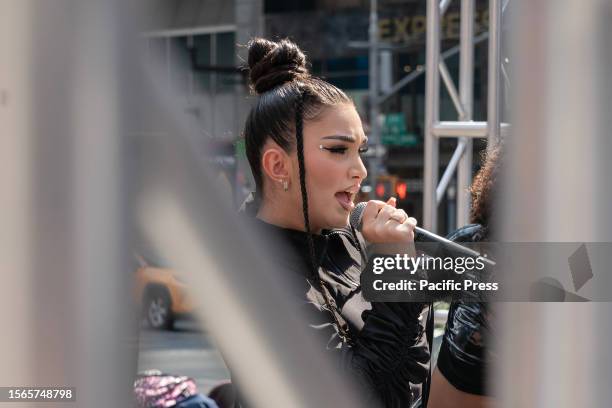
x=272 y=64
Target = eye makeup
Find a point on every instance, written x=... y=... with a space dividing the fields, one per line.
x=341 y=148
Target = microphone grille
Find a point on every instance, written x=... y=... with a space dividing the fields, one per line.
x=356 y=215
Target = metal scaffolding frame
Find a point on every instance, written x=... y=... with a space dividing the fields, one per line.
x=463 y=99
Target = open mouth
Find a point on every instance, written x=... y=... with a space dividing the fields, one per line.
x=345 y=199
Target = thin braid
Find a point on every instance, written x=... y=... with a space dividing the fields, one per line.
x=299 y=135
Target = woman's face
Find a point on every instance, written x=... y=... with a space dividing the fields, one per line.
x=333 y=144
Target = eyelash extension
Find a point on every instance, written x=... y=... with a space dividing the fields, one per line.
x=337 y=150
x=342 y=150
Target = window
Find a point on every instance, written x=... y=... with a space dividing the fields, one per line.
x=202 y=58
x=225 y=58
x=284 y=6
x=345 y=73
x=197 y=63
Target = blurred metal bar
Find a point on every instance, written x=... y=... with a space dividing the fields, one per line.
x=466 y=129
x=466 y=93
x=70 y=323
x=17 y=358
x=99 y=272
x=182 y=32
x=444 y=6
x=450 y=169
x=493 y=97
x=432 y=109
x=460 y=129
x=557 y=189
x=506 y=92
x=450 y=87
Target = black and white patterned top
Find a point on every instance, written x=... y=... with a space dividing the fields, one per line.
x=387 y=353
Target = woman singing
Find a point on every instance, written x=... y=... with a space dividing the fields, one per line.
x=304 y=139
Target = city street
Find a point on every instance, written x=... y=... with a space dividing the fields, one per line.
x=187 y=350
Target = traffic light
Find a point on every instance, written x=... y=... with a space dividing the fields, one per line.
x=401 y=189
x=387 y=186
x=380 y=190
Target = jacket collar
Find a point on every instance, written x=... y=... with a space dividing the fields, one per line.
x=298 y=240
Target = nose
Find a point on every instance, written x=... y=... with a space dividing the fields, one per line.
x=358 y=170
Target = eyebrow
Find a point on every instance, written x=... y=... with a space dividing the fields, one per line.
x=344 y=138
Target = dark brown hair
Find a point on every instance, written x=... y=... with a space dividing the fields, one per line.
x=287 y=96
x=485 y=186
x=278 y=74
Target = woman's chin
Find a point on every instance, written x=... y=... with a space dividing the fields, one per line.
x=340 y=222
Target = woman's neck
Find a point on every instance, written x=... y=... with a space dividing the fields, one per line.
x=282 y=215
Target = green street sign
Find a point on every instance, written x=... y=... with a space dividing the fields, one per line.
x=394 y=131
x=240 y=148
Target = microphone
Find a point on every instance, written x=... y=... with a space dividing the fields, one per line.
x=422 y=235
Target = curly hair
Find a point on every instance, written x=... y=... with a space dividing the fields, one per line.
x=484 y=188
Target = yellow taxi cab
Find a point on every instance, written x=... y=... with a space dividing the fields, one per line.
x=162 y=294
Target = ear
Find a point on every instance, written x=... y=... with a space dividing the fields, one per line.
x=275 y=162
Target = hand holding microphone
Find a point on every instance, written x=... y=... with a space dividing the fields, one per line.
x=383 y=223
x=379 y=223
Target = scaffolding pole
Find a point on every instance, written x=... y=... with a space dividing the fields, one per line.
x=432 y=109
x=464 y=128
x=493 y=100
x=466 y=95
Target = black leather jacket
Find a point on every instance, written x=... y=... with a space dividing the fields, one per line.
x=387 y=352
x=464 y=353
